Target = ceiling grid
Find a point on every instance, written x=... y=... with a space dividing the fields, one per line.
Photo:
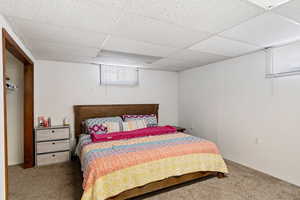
x=182 y=34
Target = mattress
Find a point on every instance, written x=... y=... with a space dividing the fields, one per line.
x=112 y=167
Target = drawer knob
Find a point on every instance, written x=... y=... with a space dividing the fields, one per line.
x=52 y=131
x=53 y=142
x=53 y=155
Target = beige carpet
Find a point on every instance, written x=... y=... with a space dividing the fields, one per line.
x=63 y=182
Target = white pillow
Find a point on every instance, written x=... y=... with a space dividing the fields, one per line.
x=112 y=126
x=134 y=124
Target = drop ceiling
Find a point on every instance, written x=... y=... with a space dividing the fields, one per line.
x=158 y=34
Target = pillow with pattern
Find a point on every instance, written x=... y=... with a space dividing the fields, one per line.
x=134 y=124
x=96 y=125
x=112 y=127
x=151 y=120
x=97 y=129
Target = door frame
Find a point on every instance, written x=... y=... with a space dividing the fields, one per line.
x=8 y=43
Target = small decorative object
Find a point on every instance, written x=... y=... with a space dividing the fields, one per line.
x=49 y=121
x=66 y=122
x=44 y=122
x=41 y=121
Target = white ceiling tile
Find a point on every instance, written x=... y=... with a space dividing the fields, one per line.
x=222 y=46
x=81 y=37
x=26 y=9
x=290 y=9
x=112 y=3
x=156 y=32
x=269 y=4
x=30 y=29
x=204 y=61
x=265 y=30
x=211 y=16
x=86 y=15
x=47 y=48
x=96 y=15
x=168 y=62
x=121 y=58
x=192 y=57
x=54 y=11
x=186 y=59
x=136 y=47
x=65 y=57
x=6 y=7
x=50 y=33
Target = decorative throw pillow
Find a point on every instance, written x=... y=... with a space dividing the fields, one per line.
x=134 y=124
x=90 y=124
x=97 y=129
x=112 y=127
x=151 y=120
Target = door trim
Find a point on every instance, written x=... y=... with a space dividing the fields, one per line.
x=8 y=43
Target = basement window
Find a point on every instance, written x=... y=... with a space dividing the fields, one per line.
x=283 y=60
x=119 y=75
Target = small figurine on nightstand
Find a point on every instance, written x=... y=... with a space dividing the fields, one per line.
x=49 y=122
x=66 y=122
x=43 y=122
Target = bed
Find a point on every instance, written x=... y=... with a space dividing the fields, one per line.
x=122 y=169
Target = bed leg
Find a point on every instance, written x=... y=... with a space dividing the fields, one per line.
x=221 y=175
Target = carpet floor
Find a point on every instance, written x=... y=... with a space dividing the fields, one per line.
x=63 y=182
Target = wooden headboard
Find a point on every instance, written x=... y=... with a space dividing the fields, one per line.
x=83 y=112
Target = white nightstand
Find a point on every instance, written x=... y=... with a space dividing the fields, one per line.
x=52 y=145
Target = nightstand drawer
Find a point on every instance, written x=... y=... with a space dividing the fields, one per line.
x=52 y=134
x=52 y=158
x=44 y=147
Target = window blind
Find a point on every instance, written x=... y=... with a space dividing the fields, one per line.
x=118 y=75
x=283 y=60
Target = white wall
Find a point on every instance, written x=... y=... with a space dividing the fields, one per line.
x=4 y=24
x=254 y=120
x=15 y=111
x=61 y=85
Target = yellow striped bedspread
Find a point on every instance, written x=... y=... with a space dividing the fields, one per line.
x=112 y=167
